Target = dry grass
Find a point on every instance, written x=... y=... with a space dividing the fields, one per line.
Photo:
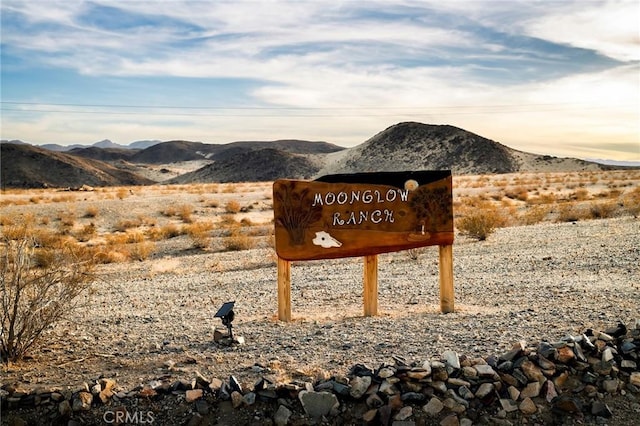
x=120 y=224
x=200 y=234
x=238 y=241
x=480 y=222
x=232 y=207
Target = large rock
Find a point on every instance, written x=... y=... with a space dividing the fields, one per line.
x=318 y=404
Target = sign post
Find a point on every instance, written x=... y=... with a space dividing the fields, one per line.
x=363 y=214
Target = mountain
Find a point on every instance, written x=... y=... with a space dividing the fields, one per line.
x=403 y=146
x=28 y=166
x=172 y=151
x=253 y=165
x=106 y=143
x=13 y=141
x=417 y=146
x=143 y=144
x=60 y=148
x=104 y=154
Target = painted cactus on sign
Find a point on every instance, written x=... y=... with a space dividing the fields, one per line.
x=296 y=212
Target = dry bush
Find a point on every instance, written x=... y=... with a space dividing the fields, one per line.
x=229 y=189
x=185 y=212
x=86 y=232
x=92 y=211
x=631 y=202
x=547 y=198
x=170 y=211
x=245 y=221
x=534 y=214
x=569 y=212
x=211 y=203
x=229 y=221
x=200 y=234
x=580 y=195
x=480 y=222
x=67 y=198
x=35 y=199
x=603 y=210
x=7 y=220
x=122 y=193
x=111 y=255
x=232 y=206
x=124 y=224
x=238 y=241
x=141 y=250
x=167 y=231
x=35 y=294
x=518 y=193
x=67 y=219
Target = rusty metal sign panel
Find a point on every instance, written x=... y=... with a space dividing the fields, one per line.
x=362 y=214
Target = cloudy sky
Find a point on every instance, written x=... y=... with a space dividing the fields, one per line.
x=550 y=77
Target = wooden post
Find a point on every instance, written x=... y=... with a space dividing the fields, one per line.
x=370 y=285
x=284 y=290
x=446 y=279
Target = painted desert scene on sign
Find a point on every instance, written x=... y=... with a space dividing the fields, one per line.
x=545 y=271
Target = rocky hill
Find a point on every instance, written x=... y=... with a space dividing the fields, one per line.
x=27 y=166
x=404 y=146
x=417 y=146
x=253 y=165
x=103 y=154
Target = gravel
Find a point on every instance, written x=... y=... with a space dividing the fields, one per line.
x=527 y=283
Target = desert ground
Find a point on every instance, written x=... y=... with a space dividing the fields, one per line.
x=563 y=259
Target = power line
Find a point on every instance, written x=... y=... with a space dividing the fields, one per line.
x=297 y=111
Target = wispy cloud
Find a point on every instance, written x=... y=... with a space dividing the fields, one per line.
x=339 y=71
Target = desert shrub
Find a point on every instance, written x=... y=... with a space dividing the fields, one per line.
x=232 y=207
x=141 y=250
x=7 y=220
x=86 y=232
x=534 y=214
x=518 y=193
x=568 y=212
x=603 y=210
x=92 y=211
x=124 y=224
x=184 y=212
x=122 y=193
x=169 y=211
x=67 y=219
x=546 y=198
x=211 y=203
x=167 y=231
x=35 y=294
x=229 y=221
x=238 y=241
x=199 y=233
x=480 y=222
x=229 y=189
x=631 y=202
x=112 y=255
x=580 y=195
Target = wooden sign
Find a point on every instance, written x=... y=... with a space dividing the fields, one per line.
x=362 y=214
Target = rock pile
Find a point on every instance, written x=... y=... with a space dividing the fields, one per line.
x=547 y=383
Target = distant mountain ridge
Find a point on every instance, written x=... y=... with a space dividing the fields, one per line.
x=28 y=166
x=105 y=143
x=403 y=146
